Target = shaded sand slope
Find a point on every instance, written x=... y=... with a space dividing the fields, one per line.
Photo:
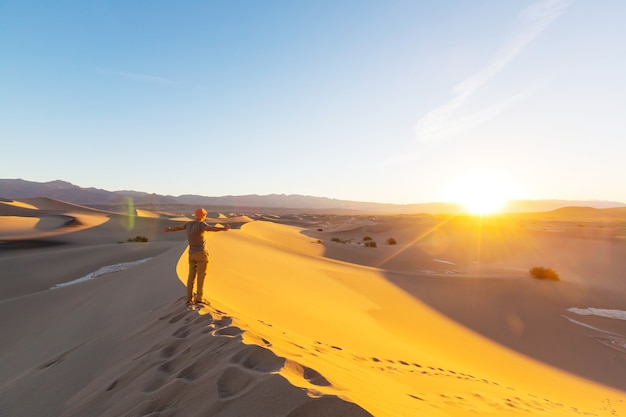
x=74 y=333
x=533 y=318
x=124 y=343
x=26 y=272
x=345 y=330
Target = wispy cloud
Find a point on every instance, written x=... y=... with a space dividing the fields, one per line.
x=133 y=76
x=449 y=119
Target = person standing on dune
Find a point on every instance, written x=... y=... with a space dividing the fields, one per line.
x=198 y=253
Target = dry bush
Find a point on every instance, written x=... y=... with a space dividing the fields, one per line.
x=540 y=272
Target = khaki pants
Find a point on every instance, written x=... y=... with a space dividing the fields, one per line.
x=198 y=264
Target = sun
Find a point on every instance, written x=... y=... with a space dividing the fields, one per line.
x=482 y=193
x=483 y=204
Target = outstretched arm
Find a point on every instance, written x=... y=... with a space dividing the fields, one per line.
x=219 y=229
x=173 y=229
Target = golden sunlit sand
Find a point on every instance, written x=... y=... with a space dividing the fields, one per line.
x=307 y=320
x=374 y=344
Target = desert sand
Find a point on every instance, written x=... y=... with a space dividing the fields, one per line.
x=306 y=320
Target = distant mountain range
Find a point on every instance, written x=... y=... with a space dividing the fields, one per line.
x=16 y=189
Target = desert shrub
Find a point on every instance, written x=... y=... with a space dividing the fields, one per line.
x=391 y=241
x=319 y=241
x=336 y=239
x=370 y=244
x=540 y=272
x=138 y=239
x=367 y=238
x=320 y=230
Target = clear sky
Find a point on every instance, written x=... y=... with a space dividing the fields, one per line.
x=384 y=101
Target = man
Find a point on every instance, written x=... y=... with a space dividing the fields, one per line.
x=198 y=254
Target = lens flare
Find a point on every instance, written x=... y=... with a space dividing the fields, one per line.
x=482 y=193
x=130 y=203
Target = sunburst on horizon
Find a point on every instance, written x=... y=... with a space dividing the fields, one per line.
x=482 y=193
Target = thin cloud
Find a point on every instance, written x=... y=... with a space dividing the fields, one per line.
x=144 y=78
x=463 y=123
x=448 y=119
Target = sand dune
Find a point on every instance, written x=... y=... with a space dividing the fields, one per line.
x=375 y=345
x=295 y=330
x=17 y=203
x=19 y=220
x=150 y=213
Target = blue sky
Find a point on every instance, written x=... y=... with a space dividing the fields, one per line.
x=387 y=101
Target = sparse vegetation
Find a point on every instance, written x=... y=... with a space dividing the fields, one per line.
x=367 y=241
x=138 y=239
x=391 y=241
x=319 y=241
x=540 y=272
x=320 y=230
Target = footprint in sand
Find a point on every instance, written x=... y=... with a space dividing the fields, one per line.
x=227 y=331
x=155 y=383
x=177 y=318
x=256 y=358
x=233 y=383
x=170 y=350
x=182 y=332
x=167 y=367
x=223 y=322
x=240 y=376
x=163 y=375
x=188 y=374
x=173 y=316
x=315 y=377
x=306 y=373
x=199 y=368
x=203 y=319
x=156 y=408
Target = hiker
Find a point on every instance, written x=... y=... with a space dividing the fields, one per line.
x=198 y=253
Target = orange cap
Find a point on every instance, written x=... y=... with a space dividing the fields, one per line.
x=200 y=213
